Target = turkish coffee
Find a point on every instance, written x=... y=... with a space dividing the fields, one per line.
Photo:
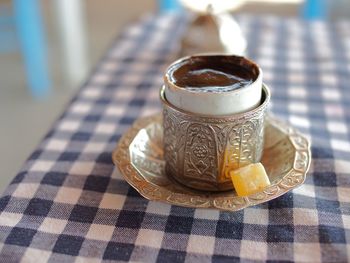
x=214 y=73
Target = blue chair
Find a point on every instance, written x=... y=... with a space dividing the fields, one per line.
x=22 y=30
x=169 y=5
x=315 y=9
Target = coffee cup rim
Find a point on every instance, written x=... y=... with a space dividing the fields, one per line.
x=265 y=99
x=214 y=103
x=171 y=68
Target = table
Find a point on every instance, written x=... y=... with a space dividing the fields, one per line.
x=69 y=203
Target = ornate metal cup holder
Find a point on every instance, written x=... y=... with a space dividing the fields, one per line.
x=139 y=157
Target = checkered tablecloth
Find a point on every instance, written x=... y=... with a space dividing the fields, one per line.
x=70 y=204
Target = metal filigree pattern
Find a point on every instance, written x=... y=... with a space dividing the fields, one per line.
x=199 y=154
x=139 y=157
x=199 y=149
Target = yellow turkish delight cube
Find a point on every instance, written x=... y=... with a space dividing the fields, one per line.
x=249 y=179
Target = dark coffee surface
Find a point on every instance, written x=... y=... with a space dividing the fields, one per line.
x=214 y=73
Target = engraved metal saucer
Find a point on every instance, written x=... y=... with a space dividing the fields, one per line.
x=139 y=157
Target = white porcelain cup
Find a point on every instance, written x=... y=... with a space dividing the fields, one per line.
x=215 y=103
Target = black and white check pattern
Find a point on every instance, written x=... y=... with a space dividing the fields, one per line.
x=70 y=204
